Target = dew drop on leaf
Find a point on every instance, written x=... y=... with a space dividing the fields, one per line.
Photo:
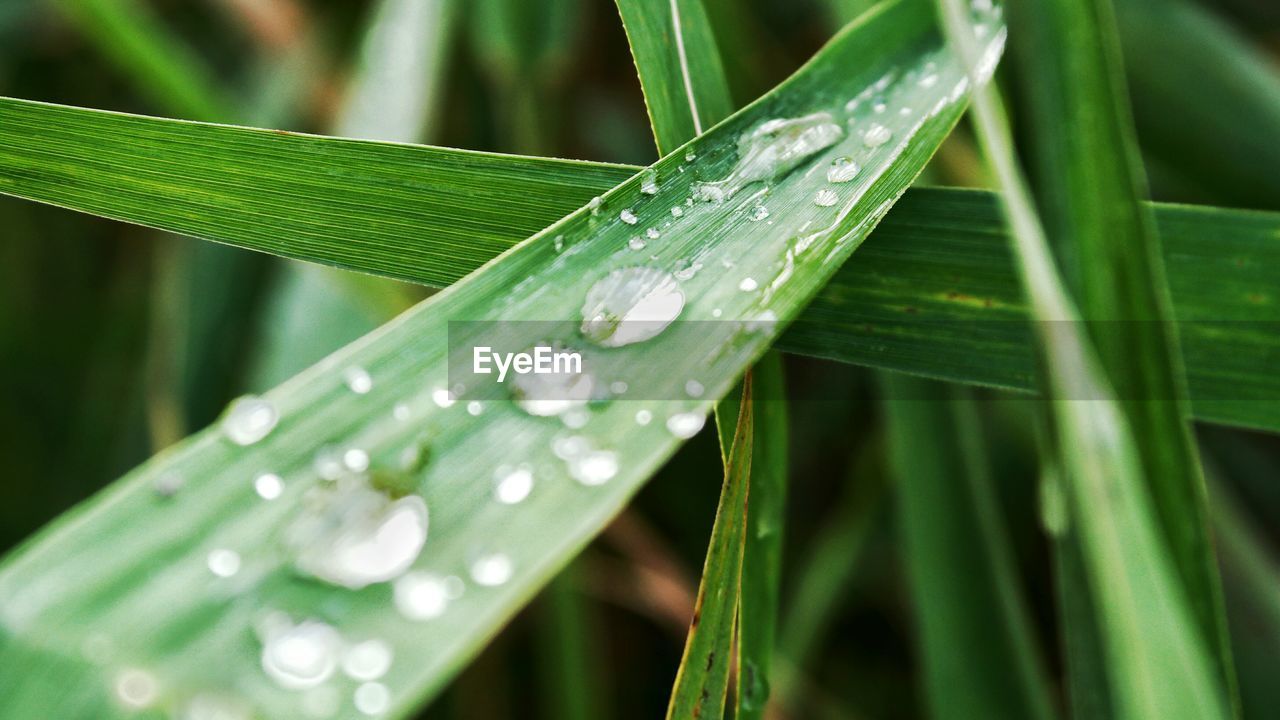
x=630 y=305
x=358 y=380
x=512 y=484
x=249 y=419
x=686 y=425
x=876 y=135
x=825 y=198
x=300 y=656
x=492 y=570
x=368 y=660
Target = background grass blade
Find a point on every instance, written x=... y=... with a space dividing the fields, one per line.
x=1159 y=664
x=183 y=606
x=1089 y=189
x=702 y=681
x=974 y=632
x=934 y=292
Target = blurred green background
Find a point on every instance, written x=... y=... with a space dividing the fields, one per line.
x=115 y=340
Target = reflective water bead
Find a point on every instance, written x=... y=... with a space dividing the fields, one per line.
x=249 y=419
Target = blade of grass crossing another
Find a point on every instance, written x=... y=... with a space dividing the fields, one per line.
x=1160 y=665
x=702 y=681
x=1089 y=189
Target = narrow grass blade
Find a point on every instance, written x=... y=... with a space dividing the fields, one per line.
x=934 y=292
x=703 y=679
x=1158 y=663
x=977 y=645
x=380 y=411
x=1089 y=189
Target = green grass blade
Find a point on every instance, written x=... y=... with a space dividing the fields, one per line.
x=934 y=292
x=184 y=617
x=702 y=681
x=679 y=67
x=1089 y=189
x=974 y=632
x=1158 y=663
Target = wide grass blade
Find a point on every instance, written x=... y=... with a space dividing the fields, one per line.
x=934 y=292
x=1158 y=663
x=978 y=649
x=1089 y=189
x=379 y=411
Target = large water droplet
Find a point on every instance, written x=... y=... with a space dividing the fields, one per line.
x=269 y=486
x=825 y=198
x=512 y=485
x=686 y=425
x=249 y=419
x=630 y=305
x=773 y=149
x=352 y=535
x=842 y=170
x=492 y=570
x=649 y=184
x=300 y=656
x=628 y=217
x=368 y=660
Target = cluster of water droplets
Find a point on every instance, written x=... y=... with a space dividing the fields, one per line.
x=309 y=657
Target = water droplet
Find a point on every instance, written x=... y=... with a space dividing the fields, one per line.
x=559 y=243
x=676 y=211
x=649 y=185
x=630 y=305
x=358 y=380
x=643 y=417
x=717 y=312
x=570 y=446
x=442 y=398
x=136 y=688
x=773 y=149
x=928 y=81
x=492 y=570
x=594 y=205
x=636 y=244
x=512 y=484
x=474 y=408
x=694 y=388
x=553 y=393
x=627 y=217
x=652 y=233
x=843 y=169
x=368 y=660
x=223 y=563
x=421 y=595
x=686 y=425
x=594 y=467
x=904 y=111
x=618 y=387
x=763 y=321
x=168 y=484
x=356 y=460
x=758 y=213
x=686 y=270
x=879 y=108
x=301 y=656
x=825 y=198
x=690 y=157
x=249 y=419
x=400 y=411
x=353 y=535
x=372 y=698
x=575 y=418
x=328 y=464
x=748 y=285
x=876 y=135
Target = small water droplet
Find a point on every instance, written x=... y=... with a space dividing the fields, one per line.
x=758 y=213
x=690 y=157
x=328 y=464
x=570 y=446
x=355 y=460
x=372 y=698
x=630 y=305
x=904 y=111
x=685 y=270
x=649 y=185
x=618 y=387
x=553 y=393
x=421 y=595
x=249 y=419
x=353 y=535
x=559 y=243
x=512 y=485
x=594 y=205
x=368 y=660
x=686 y=425
x=636 y=244
x=748 y=284
x=677 y=211
x=643 y=417
x=401 y=411
x=694 y=389
x=876 y=135
x=928 y=81
x=575 y=418
x=442 y=398
x=168 y=484
x=652 y=233
x=223 y=563
x=825 y=198
x=717 y=312
x=474 y=407
x=492 y=570
x=136 y=688
x=594 y=467
x=358 y=380
x=628 y=217
x=301 y=656
x=879 y=108
x=843 y=169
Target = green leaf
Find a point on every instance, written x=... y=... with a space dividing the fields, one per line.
x=1158 y=664
x=976 y=640
x=703 y=679
x=1089 y=189
x=934 y=292
x=194 y=631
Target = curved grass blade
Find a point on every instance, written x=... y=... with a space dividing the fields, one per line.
x=703 y=679
x=381 y=406
x=934 y=292
x=978 y=648
x=1106 y=241
x=1158 y=664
